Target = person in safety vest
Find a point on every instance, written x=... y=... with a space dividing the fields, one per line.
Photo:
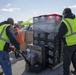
x=7 y=36
x=67 y=32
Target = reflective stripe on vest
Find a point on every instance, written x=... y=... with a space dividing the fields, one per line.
x=1 y=35
x=72 y=33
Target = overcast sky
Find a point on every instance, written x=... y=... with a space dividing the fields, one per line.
x=21 y=10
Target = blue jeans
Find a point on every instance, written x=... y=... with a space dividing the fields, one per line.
x=5 y=63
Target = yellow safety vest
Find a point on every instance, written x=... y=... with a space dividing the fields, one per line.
x=3 y=37
x=70 y=36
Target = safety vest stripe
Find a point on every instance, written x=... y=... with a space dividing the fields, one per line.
x=72 y=33
x=5 y=40
x=69 y=25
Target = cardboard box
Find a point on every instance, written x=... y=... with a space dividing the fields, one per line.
x=24 y=35
x=29 y=37
x=23 y=46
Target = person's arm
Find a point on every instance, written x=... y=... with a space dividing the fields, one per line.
x=11 y=35
x=62 y=31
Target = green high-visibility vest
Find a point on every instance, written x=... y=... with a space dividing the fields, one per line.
x=70 y=36
x=3 y=37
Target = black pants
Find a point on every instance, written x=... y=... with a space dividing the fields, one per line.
x=68 y=57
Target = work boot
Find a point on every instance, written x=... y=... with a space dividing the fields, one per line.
x=73 y=72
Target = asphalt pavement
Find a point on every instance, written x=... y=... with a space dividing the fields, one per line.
x=18 y=67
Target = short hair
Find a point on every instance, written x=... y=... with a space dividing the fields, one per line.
x=10 y=21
